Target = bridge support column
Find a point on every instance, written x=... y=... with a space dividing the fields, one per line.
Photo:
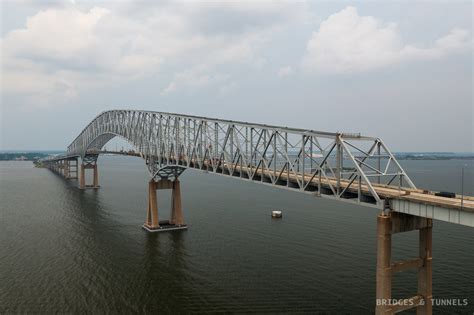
x=425 y=272
x=89 y=162
x=152 y=221
x=66 y=169
x=387 y=225
x=82 y=178
x=384 y=272
x=176 y=221
x=72 y=169
x=177 y=216
x=96 y=177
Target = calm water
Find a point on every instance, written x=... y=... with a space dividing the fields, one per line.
x=66 y=250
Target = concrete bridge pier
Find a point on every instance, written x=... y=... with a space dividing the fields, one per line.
x=72 y=169
x=58 y=167
x=82 y=178
x=66 y=169
x=176 y=221
x=89 y=162
x=95 y=180
x=96 y=177
x=387 y=225
x=177 y=216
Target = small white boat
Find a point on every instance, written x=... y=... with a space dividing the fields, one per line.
x=276 y=214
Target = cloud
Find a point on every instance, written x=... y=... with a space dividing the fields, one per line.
x=347 y=42
x=68 y=48
x=197 y=77
x=63 y=36
x=200 y=77
x=285 y=71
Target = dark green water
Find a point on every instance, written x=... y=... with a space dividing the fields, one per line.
x=66 y=250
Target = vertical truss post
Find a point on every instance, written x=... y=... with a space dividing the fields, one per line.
x=231 y=140
x=251 y=147
x=303 y=157
x=274 y=149
x=378 y=160
x=338 y=164
x=246 y=145
x=216 y=141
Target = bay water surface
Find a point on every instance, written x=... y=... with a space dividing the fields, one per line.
x=71 y=251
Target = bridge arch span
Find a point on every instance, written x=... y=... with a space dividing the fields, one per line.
x=107 y=126
x=127 y=125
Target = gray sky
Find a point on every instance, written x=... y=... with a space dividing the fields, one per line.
x=401 y=71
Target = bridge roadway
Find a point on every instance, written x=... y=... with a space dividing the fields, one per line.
x=463 y=203
x=323 y=164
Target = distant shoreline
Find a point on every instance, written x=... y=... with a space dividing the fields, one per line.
x=23 y=156
x=428 y=158
x=433 y=156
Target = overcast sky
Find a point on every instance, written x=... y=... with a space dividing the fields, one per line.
x=401 y=71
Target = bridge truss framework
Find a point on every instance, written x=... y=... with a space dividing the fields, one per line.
x=335 y=165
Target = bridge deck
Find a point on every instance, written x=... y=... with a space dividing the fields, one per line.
x=465 y=203
x=384 y=191
x=419 y=202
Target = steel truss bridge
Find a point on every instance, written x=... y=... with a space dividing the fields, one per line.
x=346 y=167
